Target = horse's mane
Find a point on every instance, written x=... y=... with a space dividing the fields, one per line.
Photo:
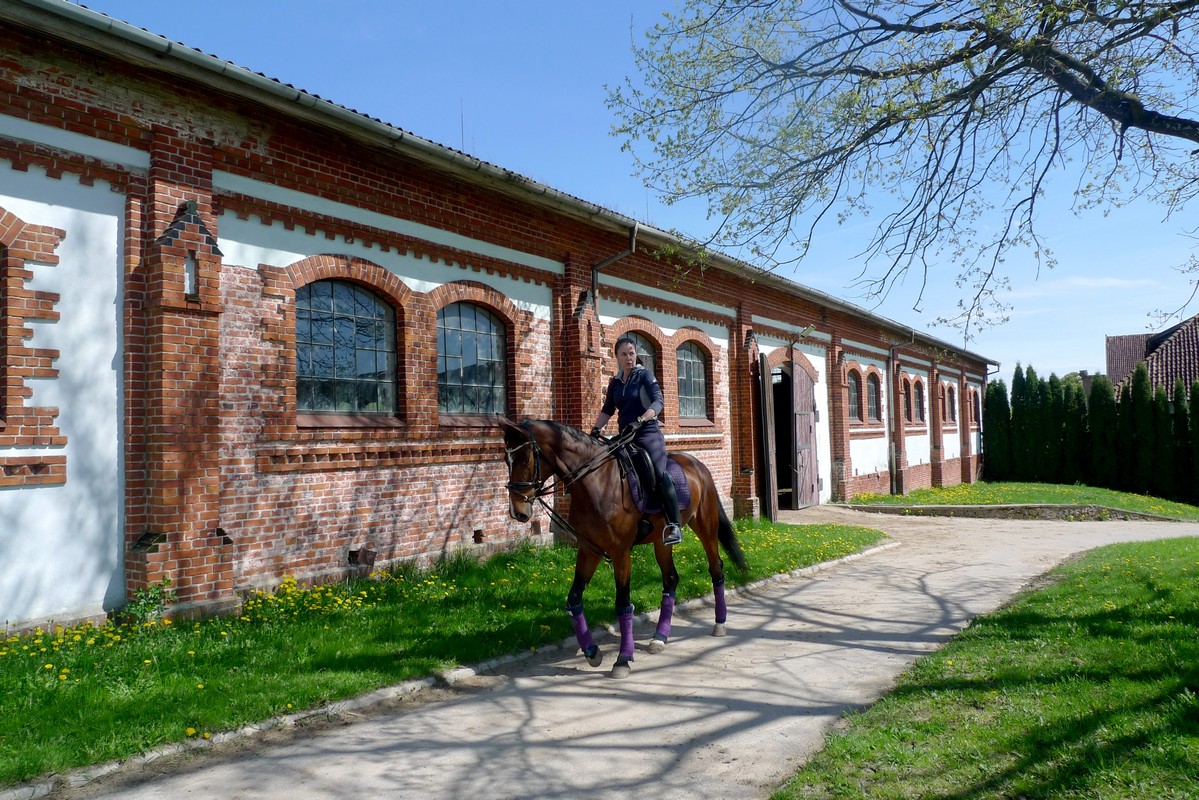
x=567 y=431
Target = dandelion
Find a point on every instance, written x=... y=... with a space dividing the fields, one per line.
x=199 y=686
x=190 y=731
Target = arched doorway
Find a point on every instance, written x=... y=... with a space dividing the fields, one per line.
x=787 y=436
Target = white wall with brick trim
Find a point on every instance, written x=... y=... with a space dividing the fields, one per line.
x=61 y=546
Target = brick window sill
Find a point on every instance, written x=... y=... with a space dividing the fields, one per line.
x=347 y=421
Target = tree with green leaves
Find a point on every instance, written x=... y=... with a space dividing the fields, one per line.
x=783 y=113
x=1103 y=419
x=997 y=433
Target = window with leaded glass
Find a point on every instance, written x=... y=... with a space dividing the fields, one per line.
x=693 y=382
x=920 y=401
x=472 y=361
x=953 y=404
x=855 y=396
x=645 y=351
x=345 y=350
x=873 y=397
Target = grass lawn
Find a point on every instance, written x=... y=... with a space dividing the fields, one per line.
x=1033 y=493
x=71 y=697
x=1088 y=688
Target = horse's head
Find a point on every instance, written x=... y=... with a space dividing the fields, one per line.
x=521 y=451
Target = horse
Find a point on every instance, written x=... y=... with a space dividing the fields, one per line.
x=605 y=522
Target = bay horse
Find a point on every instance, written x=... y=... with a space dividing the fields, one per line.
x=605 y=522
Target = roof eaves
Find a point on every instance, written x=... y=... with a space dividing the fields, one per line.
x=132 y=43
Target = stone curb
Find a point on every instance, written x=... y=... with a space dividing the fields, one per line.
x=1032 y=511
x=330 y=711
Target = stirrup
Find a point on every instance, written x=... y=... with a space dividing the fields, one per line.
x=672 y=534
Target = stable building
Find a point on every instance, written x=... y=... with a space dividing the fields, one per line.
x=247 y=333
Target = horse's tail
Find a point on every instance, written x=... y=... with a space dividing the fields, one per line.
x=728 y=539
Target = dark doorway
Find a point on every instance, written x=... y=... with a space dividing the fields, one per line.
x=784 y=436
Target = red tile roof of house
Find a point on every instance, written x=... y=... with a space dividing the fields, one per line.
x=1169 y=355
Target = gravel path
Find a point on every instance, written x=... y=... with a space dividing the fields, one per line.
x=714 y=718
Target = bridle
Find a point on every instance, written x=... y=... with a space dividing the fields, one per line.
x=537 y=489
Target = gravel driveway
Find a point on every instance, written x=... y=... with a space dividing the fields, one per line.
x=712 y=718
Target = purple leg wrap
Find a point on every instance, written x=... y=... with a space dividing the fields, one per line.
x=722 y=610
x=626 y=633
x=582 y=632
x=664 y=615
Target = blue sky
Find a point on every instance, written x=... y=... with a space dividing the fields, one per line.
x=521 y=85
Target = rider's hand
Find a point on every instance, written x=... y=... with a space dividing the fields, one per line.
x=595 y=433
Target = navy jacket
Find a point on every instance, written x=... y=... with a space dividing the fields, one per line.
x=633 y=397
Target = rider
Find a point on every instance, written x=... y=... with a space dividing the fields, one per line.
x=635 y=392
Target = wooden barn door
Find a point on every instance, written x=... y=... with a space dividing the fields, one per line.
x=803 y=394
x=769 y=481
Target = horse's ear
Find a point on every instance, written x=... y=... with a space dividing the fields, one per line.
x=506 y=424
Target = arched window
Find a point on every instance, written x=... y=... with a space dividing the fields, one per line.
x=953 y=404
x=975 y=407
x=472 y=361
x=855 y=396
x=907 y=400
x=873 y=397
x=646 y=351
x=919 y=401
x=345 y=350
x=693 y=381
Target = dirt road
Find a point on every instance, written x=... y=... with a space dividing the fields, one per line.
x=713 y=718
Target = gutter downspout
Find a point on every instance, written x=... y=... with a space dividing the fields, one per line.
x=607 y=262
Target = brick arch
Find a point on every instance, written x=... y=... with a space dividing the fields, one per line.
x=356 y=270
x=782 y=355
x=479 y=294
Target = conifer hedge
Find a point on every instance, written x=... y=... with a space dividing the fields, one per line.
x=1054 y=432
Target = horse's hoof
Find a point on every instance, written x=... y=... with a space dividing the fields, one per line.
x=655 y=646
x=718 y=629
x=595 y=658
x=620 y=670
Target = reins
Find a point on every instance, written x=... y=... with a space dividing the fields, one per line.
x=540 y=488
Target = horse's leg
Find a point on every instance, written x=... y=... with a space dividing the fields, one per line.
x=670 y=581
x=709 y=516
x=585 y=564
x=622 y=568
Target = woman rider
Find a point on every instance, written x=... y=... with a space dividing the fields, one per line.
x=635 y=393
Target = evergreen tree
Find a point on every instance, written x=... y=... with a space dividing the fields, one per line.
x=1104 y=435
x=1161 y=478
x=1180 y=433
x=1053 y=432
x=1022 y=456
x=1075 y=444
x=1126 y=441
x=1194 y=415
x=1144 y=431
x=997 y=433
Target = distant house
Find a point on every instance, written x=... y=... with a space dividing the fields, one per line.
x=1169 y=355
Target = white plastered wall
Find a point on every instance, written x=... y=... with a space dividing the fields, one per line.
x=61 y=546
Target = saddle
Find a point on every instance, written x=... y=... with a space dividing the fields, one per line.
x=638 y=469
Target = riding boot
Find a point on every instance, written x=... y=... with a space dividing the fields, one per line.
x=672 y=534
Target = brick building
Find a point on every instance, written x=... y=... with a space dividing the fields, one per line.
x=247 y=333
